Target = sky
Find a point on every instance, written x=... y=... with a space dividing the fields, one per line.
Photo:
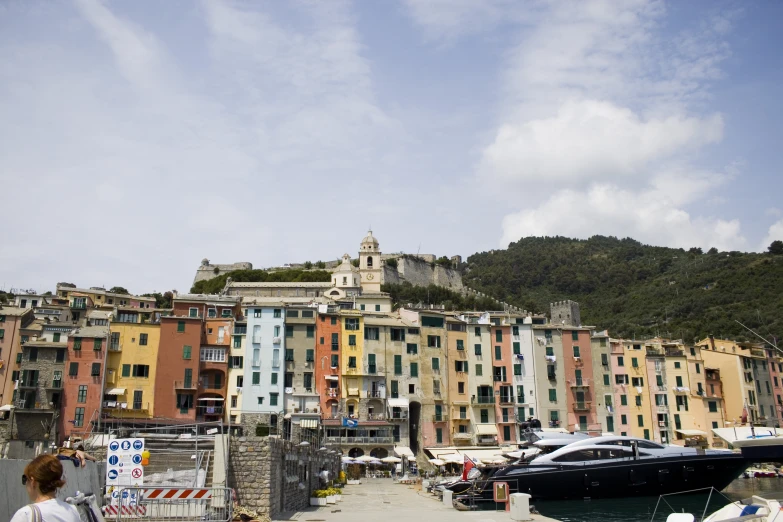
x=137 y=138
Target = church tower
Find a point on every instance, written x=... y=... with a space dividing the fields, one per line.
x=370 y=264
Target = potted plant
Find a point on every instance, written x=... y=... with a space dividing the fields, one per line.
x=318 y=498
x=338 y=493
x=330 y=496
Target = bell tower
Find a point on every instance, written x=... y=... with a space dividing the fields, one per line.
x=370 y=263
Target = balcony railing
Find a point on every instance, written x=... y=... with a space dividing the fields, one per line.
x=360 y=440
x=579 y=383
x=399 y=415
x=184 y=385
x=209 y=410
x=506 y=399
x=462 y=435
x=55 y=385
x=376 y=416
x=374 y=394
x=485 y=399
x=333 y=392
x=79 y=305
x=115 y=347
x=443 y=417
x=582 y=406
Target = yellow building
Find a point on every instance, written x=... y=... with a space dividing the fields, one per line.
x=634 y=388
x=130 y=381
x=236 y=373
x=352 y=350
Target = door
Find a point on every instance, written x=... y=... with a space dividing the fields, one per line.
x=578 y=376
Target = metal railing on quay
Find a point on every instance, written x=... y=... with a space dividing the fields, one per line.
x=170 y=503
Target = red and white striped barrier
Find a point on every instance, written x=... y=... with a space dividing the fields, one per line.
x=124 y=510
x=180 y=494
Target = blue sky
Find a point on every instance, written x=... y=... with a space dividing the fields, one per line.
x=139 y=137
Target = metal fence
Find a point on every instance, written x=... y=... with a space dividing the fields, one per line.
x=171 y=504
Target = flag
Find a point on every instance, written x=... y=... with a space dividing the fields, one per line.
x=744 y=415
x=350 y=423
x=467 y=466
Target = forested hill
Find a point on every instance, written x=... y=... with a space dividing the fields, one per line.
x=638 y=290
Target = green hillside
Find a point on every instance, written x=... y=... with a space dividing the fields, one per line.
x=638 y=290
x=293 y=275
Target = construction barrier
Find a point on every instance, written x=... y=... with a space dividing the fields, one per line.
x=172 y=504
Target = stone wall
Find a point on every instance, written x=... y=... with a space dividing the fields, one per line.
x=419 y=272
x=272 y=476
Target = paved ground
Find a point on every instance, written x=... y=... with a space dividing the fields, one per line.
x=381 y=500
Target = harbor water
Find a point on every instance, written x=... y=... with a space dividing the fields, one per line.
x=640 y=509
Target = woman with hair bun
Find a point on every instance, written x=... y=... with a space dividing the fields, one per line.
x=42 y=477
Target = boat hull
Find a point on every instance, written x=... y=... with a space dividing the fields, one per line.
x=642 y=477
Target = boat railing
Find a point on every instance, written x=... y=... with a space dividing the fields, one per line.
x=663 y=498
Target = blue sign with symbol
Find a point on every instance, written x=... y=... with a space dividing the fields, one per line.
x=115 y=494
x=112 y=474
x=125 y=494
x=113 y=460
x=114 y=446
x=137 y=444
x=137 y=459
x=350 y=423
x=126 y=445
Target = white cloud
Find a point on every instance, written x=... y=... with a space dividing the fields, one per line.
x=589 y=140
x=606 y=209
x=775 y=233
x=447 y=20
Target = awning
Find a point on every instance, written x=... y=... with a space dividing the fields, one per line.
x=486 y=429
x=116 y=391
x=398 y=403
x=403 y=451
x=477 y=455
x=331 y=377
x=6 y=407
x=308 y=423
x=692 y=433
x=219 y=399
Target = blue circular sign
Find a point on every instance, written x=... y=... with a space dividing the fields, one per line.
x=114 y=446
x=137 y=459
x=126 y=444
x=113 y=460
x=125 y=493
x=112 y=474
x=137 y=444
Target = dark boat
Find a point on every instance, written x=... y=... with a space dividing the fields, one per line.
x=612 y=466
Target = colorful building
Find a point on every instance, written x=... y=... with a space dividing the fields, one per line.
x=84 y=381
x=12 y=320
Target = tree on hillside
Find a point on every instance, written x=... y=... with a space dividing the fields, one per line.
x=776 y=247
x=118 y=290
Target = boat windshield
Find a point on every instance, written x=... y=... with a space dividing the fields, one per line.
x=595 y=454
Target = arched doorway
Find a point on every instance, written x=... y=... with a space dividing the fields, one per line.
x=355 y=453
x=414 y=409
x=379 y=453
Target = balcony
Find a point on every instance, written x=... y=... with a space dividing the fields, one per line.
x=205 y=411
x=462 y=436
x=399 y=415
x=505 y=399
x=333 y=393
x=55 y=385
x=78 y=305
x=484 y=399
x=375 y=394
x=184 y=385
x=582 y=406
x=376 y=416
x=579 y=383
x=290 y=365
x=29 y=384
x=115 y=347
x=360 y=440
x=443 y=417
x=212 y=385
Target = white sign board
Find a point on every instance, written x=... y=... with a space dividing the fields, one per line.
x=123 y=463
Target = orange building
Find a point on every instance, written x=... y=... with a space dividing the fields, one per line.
x=327 y=362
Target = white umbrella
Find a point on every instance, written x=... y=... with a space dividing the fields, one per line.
x=347 y=460
x=391 y=460
x=437 y=462
x=454 y=458
x=374 y=462
x=487 y=461
x=365 y=458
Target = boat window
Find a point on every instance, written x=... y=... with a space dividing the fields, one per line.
x=576 y=456
x=649 y=445
x=606 y=454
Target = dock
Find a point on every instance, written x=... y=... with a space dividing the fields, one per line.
x=381 y=500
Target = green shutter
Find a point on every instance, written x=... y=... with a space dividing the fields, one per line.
x=606 y=379
x=435 y=363
x=180 y=326
x=398 y=365
x=516 y=349
x=552 y=395
x=479 y=370
x=499 y=336
x=274 y=378
x=188 y=377
x=498 y=353
x=126 y=370
x=414 y=369
x=186 y=351
x=517 y=369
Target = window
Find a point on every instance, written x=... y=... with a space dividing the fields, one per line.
x=412 y=348
x=479 y=370
x=137 y=399
x=620 y=361
x=186 y=352
x=477 y=331
x=433 y=322
x=277 y=314
x=185 y=402
x=60 y=357
x=126 y=370
x=638 y=400
x=78 y=418
x=273 y=399
x=82 y=395
x=238 y=341
x=604 y=360
x=484 y=416
x=659 y=380
x=550 y=351
x=609 y=422
x=676 y=364
x=142 y=340
x=140 y=370
x=439 y=435
x=414 y=369
x=623 y=400
x=335 y=342
x=461 y=366
x=477 y=349
x=637 y=381
x=188 y=377
x=351 y=323
x=606 y=379
x=679 y=381
x=395 y=393
x=77 y=345
x=552 y=395
x=274 y=378
x=371 y=333
x=634 y=362
x=289 y=330
x=435 y=364
x=351 y=362
x=460 y=344
x=260 y=401
x=516 y=348
x=576 y=351
x=623 y=419
x=397 y=334
x=575 y=335
x=521 y=398
x=461 y=387
x=713 y=406
x=73 y=369
x=95 y=370
x=517 y=369
x=235 y=361
x=433 y=341
x=398 y=365
x=256 y=378
x=498 y=353
x=292 y=313
x=33 y=354
x=334 y=362
x=698 y=368
x=377 y=308
x=56 y=337
x=289 y=354
x=333 y=320
x=640 y=420
x=621 y=378
x=180 y=326
x=213 y=355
